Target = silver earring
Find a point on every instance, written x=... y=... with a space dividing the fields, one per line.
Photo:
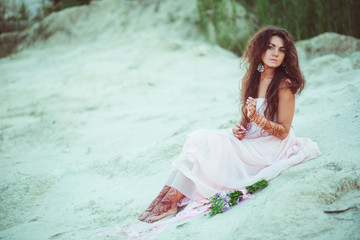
x=260 y=67
x=284 y=66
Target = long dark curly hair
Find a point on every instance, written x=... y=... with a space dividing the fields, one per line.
x=288 y=70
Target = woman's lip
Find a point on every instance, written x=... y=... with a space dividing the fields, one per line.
x=274 y=60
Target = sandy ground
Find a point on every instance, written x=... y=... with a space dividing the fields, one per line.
x=92 y=117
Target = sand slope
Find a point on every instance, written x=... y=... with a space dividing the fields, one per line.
x=94 y=112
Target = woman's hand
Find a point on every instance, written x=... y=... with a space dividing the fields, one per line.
x=250 y=107
x=239 y=131
x=285 y=113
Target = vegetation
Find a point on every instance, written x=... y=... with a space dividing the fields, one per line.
x=222 y=22
x=58 y=5
x=15 y=16
x=225 y=21
x=303 y=19
x=308 y=18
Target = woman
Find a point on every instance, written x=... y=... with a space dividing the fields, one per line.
x=260 y=146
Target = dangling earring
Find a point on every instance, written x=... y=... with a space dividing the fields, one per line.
x=284 y=66
x=260 y=67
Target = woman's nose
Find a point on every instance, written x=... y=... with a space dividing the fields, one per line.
x=276 y=52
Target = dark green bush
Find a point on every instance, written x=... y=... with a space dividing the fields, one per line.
x=62 y=4
x=16 y=16
x=223 y=22
x=13 y=17
x=307 y=18
x=302 y=18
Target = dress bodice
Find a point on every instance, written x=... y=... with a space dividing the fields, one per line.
x=255 y=130
x=261 y=107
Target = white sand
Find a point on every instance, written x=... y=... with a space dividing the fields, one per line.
x=92 y=118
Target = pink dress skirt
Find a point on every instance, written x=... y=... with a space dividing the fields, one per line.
x=215 y=160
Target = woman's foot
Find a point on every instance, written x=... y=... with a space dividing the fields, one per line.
x=167 y=206
x=147 y=212
x=161 y=211
x=144 y=215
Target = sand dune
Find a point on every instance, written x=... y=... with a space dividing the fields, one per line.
x=100 y=99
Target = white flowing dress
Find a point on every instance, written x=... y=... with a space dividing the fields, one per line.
x=215 y=160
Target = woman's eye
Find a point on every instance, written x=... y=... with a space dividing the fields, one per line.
x=282 y=50
x=270 y=47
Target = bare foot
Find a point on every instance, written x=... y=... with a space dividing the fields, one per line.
x=161 y=211
x=161 y=195
x=144 y=215
x=167 y=206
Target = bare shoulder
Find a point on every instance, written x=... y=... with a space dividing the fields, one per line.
x=285 y=93
x=285 y=83
x=286 y=107
x=242 y=88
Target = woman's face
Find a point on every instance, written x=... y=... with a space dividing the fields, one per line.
x=275 y=53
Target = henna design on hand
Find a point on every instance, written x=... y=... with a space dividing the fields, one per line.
x=250 y=107
x=271 y=127
x=239 y=131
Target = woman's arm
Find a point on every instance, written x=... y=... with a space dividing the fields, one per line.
x=285 y=114
x=239 y=130
x=243 y=120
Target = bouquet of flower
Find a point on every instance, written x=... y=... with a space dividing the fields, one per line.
x=222 y=201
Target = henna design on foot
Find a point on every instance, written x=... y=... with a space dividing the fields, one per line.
x=154 y=203
x=167 y=206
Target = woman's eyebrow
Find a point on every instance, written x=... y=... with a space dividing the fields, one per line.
x=275 y=45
